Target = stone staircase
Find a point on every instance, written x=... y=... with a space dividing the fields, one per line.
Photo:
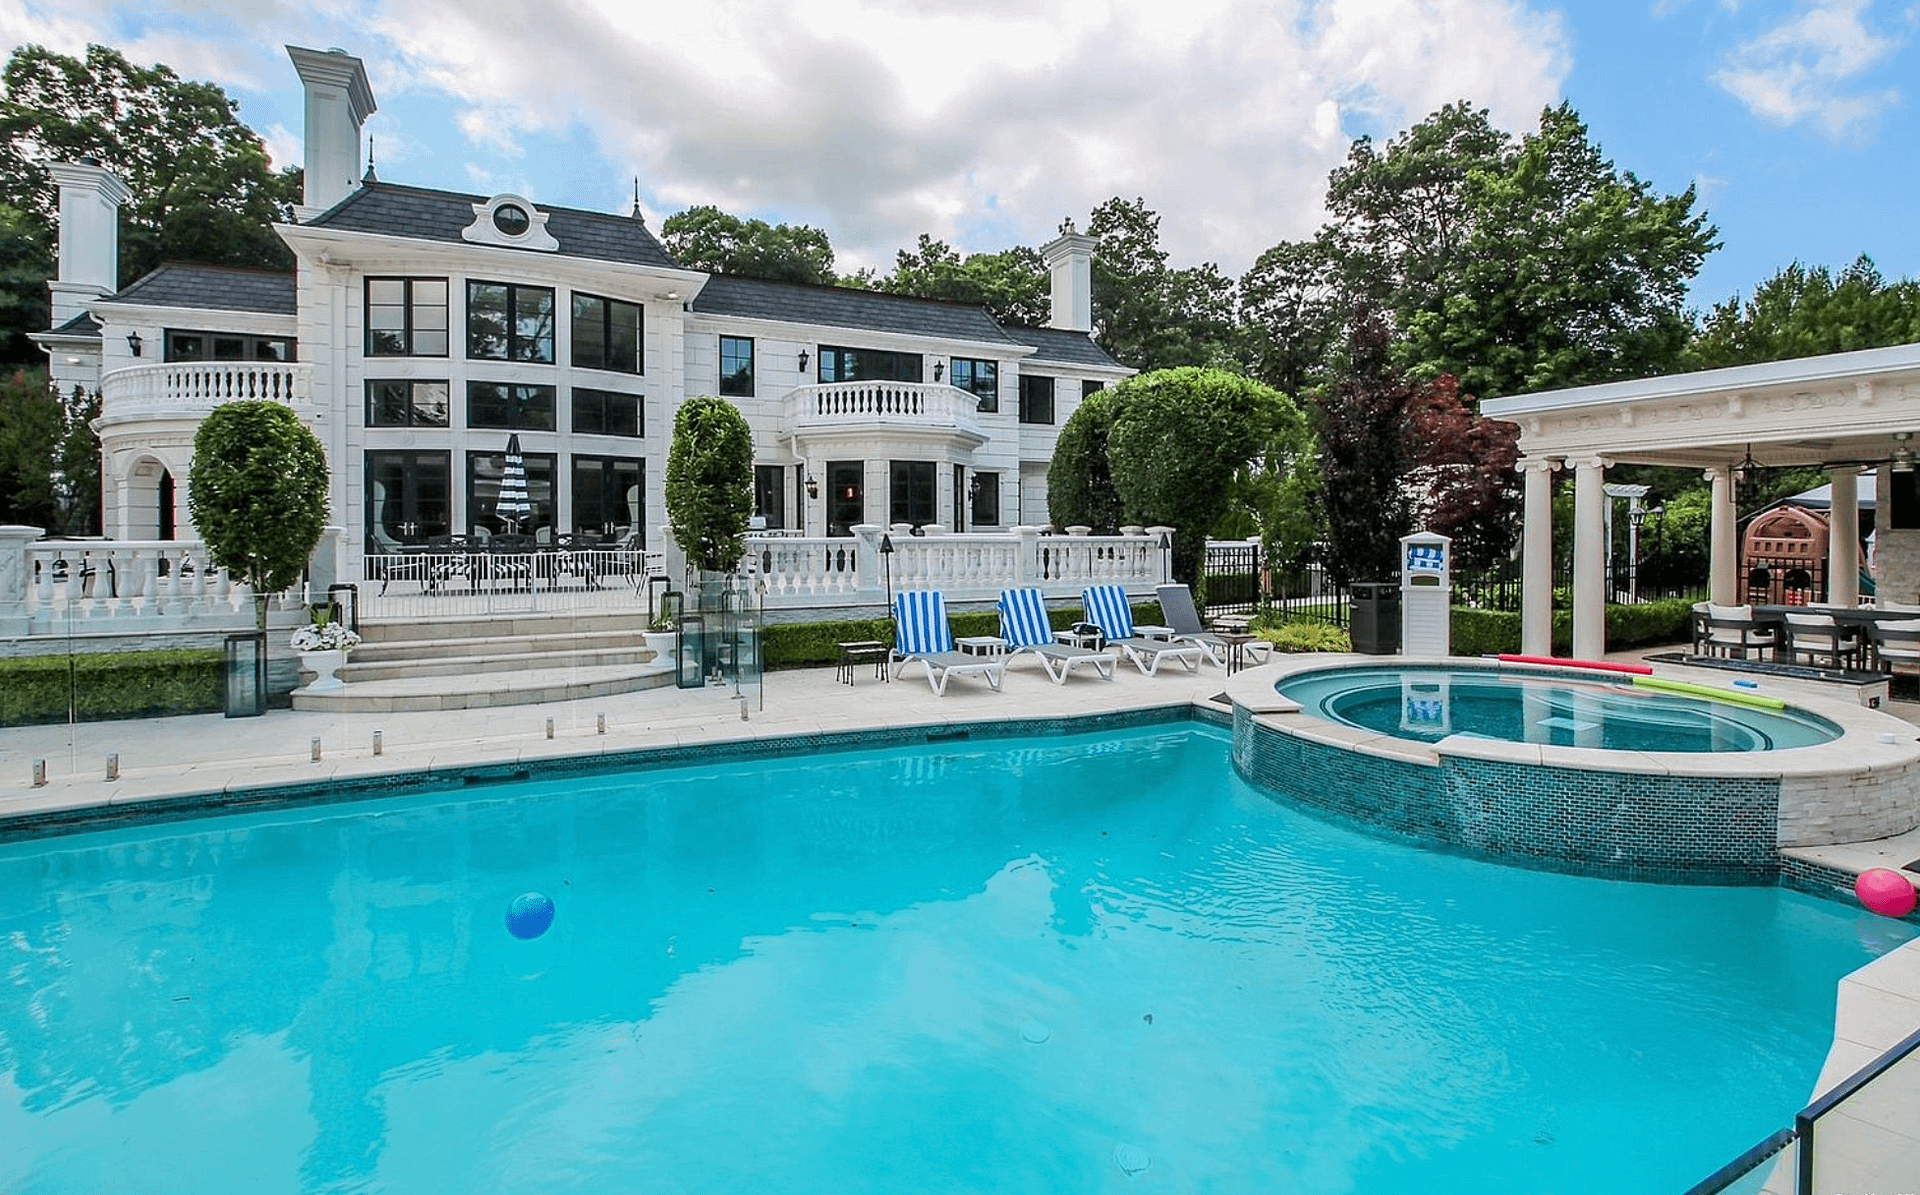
x=512 y=660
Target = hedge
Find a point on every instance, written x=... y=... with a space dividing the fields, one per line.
x=1490 y=632
x=106 y=685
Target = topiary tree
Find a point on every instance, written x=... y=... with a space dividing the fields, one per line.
x=1079 y=482
x=710 y=483
x=258 y=494
x=1180 y=437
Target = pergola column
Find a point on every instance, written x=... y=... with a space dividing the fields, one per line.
x=1536 y=558
x=1843 y=539
x=1723 y=569
x=1589 y=558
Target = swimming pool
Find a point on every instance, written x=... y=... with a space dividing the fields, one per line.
x=1597 y=710
x=1029 y=964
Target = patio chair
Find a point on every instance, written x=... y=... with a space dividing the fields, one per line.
x=1024 y=625
x=1821 y=639
x=921 y=632
x=1733 y=631
x=1176 y=606
x=1896 y=642
x=1107 y=608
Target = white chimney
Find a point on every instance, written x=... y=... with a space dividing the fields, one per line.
x=339 y=100
x=1070 y=258
x=90 y=199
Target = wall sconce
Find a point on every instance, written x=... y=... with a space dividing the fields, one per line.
x=974 y=486
x=803 y=360
x=813 y=486
x=939 y=368
x=134 y=342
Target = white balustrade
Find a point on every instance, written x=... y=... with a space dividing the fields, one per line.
x=895 y=404
x=127 y=586
x=192 y=388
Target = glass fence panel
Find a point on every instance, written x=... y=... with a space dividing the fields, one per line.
x=1766 y=1169
x=1870 y=1140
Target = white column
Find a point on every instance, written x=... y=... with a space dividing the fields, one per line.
x=1843 y=542
x=1723 y=569
x=1536 y=559
x=1589 y=558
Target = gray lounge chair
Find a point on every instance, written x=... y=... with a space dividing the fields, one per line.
x=1177 y=608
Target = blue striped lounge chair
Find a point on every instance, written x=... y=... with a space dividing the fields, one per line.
x=1107 y=609
x=1024 y=625
x=921 y=632
x=1176 y=606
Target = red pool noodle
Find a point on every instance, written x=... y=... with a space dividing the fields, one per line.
x=1596 y=665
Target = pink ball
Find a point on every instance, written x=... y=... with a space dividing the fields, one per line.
x=1886 y=892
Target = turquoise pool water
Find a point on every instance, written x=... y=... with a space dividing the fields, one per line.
x=1022 y=965
x=1428 y=704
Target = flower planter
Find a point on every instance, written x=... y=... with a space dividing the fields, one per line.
x=323 y=665
x=660 y=643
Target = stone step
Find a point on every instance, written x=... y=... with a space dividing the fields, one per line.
x=506 y=626
x=517 y=661
x=495 y=645
x=478 y=690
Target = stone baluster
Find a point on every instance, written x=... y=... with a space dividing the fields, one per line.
x=16 y=576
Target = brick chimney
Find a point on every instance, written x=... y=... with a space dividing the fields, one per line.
x=90 y=199
x=339 y=100
x=1070 y=258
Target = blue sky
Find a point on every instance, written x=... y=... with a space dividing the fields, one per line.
x=986 y=123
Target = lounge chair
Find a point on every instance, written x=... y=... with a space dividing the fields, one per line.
x=1024 y=625
x=1107 y=609
x=1176 y=606
x=921 y=632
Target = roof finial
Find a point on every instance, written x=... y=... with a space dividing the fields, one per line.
x=371 y=178
x=637 y=214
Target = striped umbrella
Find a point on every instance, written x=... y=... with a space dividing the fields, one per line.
x=513 y=503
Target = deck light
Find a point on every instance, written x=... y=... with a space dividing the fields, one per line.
x=1902 y=455
x=803 y=360
x=813 y=486
x=939 y=368
x=134 y=342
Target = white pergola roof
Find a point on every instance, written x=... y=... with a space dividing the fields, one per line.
x=1842 y=408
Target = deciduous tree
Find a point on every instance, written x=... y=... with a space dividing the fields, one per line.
x=706 y=238
x=1804 y=311
x=1080 y=489
x=1146 y=313
x=258 y=494
x=710 y=483
x=1012 y=285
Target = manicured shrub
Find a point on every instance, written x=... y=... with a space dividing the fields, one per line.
x=107 y=685
x=1306 y=636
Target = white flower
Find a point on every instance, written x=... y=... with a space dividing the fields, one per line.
x=329 y=637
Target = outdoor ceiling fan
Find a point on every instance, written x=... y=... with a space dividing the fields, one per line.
x=1901 y=459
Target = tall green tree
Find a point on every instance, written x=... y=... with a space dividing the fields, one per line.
x=258 y=494
x=710 y=483
x=1365 y=423
x=1080 y=489
x=1013 y=285
x=706 y=238
x=203 y=188
x=1146 y=313
x=1291 y=312
x=1180 y=438
x=49 y=455
x=1804 y=311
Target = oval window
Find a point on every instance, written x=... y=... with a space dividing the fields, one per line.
x=511 y=219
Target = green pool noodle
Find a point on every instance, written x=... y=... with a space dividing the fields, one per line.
x=1709 y=692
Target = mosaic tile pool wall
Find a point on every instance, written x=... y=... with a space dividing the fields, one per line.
x=1618 y=825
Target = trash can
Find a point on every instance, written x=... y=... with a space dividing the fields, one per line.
x=244 y=678
x=1374 y=617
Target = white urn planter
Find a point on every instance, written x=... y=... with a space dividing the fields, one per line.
x=323 y=665
x=660 y=643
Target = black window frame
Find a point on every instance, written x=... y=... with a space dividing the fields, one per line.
x=1034 y=387
x=986 y=391
x=518 y=405
x=984 y=500
x=731 y=384
x=542 y=472
x=411 y=328
x=582 y=353
x=414 y=501
x=913 y=487
x=847 y=364
x=517 y=348
x=411 y=403
x=770 y=495
x=174 y=342
x=593 y=398
x=607 y=465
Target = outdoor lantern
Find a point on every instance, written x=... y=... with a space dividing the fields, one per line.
x=803 y=360
x=939 y=368
x=1902 y=455
x=134 y=342
x=886 y=565
x=1166 y=557
x=813 y=486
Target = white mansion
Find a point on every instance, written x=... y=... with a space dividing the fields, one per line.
x=422 y=328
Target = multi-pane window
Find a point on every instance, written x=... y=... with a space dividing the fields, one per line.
x=912 y=492
x=408 y=499
x=867 y=365
x=1090 y=388
x=226 y=346
x=605 y=412
x=606 y=334
x=770 y=495
x=980 y=379
x=484 y=472
x=986 y=499
x=606 y=495
x=736 y=366
x=406 y=317
x=1036 y=399
x=506 y=322
x=403 y=403
x=510 y=407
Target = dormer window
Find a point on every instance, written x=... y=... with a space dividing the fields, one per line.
x=509 y=220
x=512 y=220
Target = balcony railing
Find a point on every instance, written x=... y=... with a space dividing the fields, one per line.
x=196 y=387
x=924 y=406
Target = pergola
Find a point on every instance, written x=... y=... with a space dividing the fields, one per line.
x=1850 y=413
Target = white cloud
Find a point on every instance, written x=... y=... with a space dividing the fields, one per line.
x=879 y=120
x=1805 y=70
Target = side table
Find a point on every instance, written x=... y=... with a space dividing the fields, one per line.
x=982 y=645
x=1236 y=650
x=862 y=652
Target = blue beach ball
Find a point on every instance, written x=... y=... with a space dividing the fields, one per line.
x=530 y=915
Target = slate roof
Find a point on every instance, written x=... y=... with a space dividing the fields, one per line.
x=1060 y=347
x=422 y=214
x=80 y=325
x=846 y=307
x=222 y=288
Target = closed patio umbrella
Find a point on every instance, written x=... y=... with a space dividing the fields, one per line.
x=513 y=503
